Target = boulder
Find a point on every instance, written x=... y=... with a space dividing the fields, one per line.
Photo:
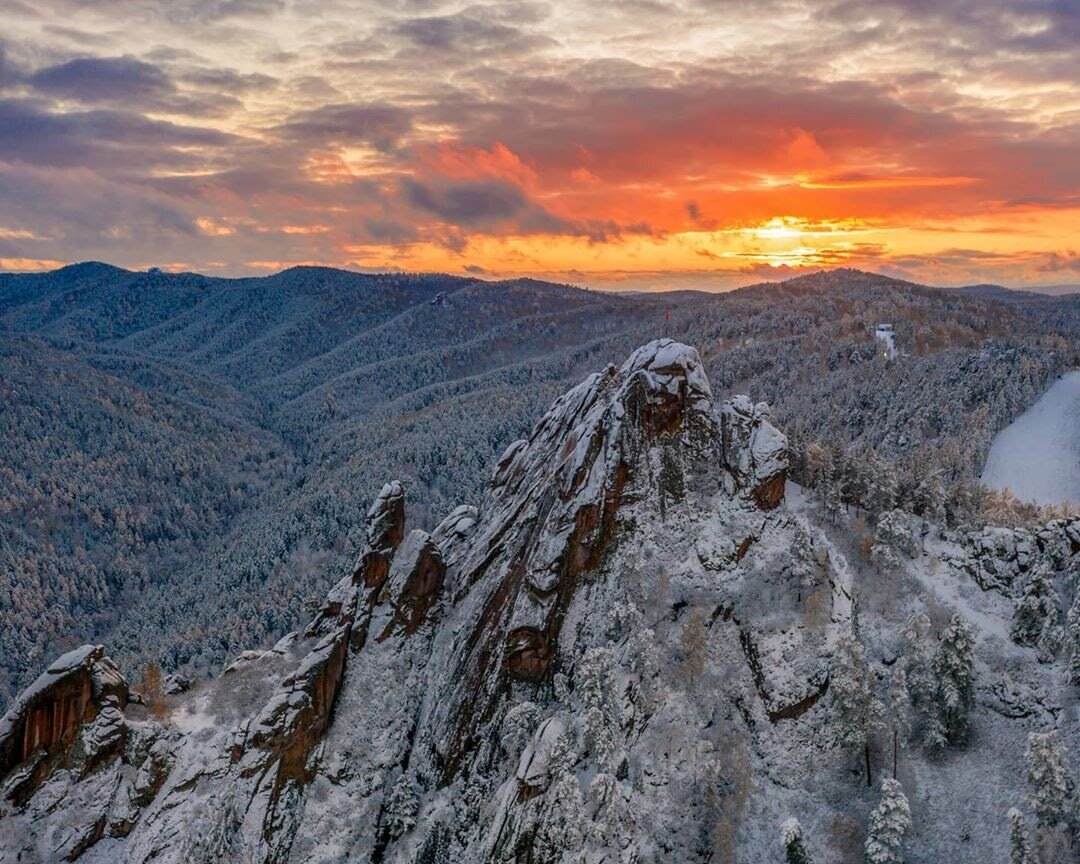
x=175 y=684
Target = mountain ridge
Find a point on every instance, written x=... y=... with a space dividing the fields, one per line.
x=640 y=613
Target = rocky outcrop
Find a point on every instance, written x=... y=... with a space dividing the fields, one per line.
x=998 y=558
x=754 y=452
x=70 y=714
x=447 y=686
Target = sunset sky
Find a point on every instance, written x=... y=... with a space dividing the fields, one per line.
x=648 y=144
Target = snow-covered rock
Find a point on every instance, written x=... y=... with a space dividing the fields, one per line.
x=754 y=451
x=997 y=558
x=625 y=650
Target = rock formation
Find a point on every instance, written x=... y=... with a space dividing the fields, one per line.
x=630 y=620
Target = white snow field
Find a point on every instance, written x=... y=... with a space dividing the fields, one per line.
x=1037 y=456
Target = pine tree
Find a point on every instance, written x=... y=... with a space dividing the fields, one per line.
x=596 y=686
x=899 y=713
x=881 y=486
x=815 y=464
x=894 y=534
x=517 y=728
x=1072 y=639
x=402 y=805
x=858 y=710
x=561 y=832
x=1019 y=842
x=887 y=826
x=1047 y=778
x=1036 y=616
x=929 y=494
x=609 y=811
x=833 y=499
x=646 y=663
x=955 y=685
x=920 y=682
x=791 y=837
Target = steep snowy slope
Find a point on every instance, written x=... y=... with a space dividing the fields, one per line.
x=632 y=650
x=1037 y=456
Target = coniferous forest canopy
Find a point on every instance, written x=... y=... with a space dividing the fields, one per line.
x=187 y=460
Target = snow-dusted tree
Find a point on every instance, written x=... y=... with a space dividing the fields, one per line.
x=609 y=810
x=816 y=464
x=887 y=826
x=596 y=687
x=402 y=805
x=1072 y=639
x=832 y=493
x=1047 y=778
x=896 y=531
x=920 y=681
x=517 y=728
x=881 y=485
x=645 y=660
x=928 y=496
x=1019 y=841
x=791 y=837
x=935 y=736
x=858 y=711
x=1035 y=620
x=899 y=713
x=955 y=683
x=561 y=832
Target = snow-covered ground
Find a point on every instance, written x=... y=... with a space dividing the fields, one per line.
x=1038 y=455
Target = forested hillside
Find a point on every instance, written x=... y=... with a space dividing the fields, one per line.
x=187 y=459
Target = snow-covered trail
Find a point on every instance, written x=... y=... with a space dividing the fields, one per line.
x=1037 y=456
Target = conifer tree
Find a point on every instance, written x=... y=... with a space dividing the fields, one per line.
x=955 y=685
x=1036 y=616
x=1048 y=778
x=401 y=808
x=602 y=720
x=881 y=487
x=1072 y=639
x=899 y=713
x=917 y=660
x=887 y=826
x=858 y=710
x=646 y=663
x=561 y=832
x=791 y=836
x=1019 y=841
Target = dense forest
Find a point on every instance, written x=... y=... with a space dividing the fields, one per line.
x=187 y=460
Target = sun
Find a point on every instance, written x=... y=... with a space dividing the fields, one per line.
x=777 y=228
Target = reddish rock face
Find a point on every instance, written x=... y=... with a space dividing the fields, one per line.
x=47 y=718
x=769 y=494
x=54 y=719
x=420 y=592
x=528 y=654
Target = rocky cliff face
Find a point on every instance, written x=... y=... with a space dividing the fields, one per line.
x=606 y=660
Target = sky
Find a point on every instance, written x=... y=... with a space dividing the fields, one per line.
x=645 y=144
